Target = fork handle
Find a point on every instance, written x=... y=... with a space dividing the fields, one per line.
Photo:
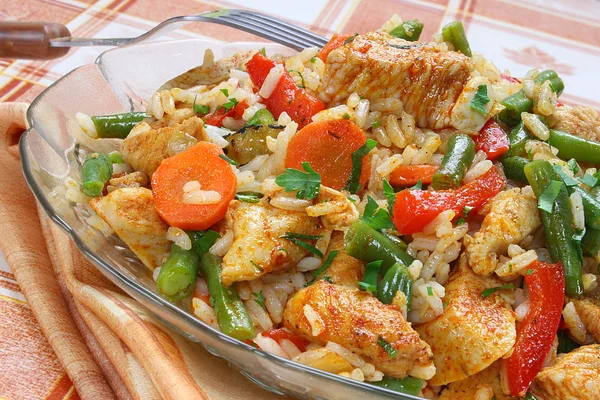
x=31 y=40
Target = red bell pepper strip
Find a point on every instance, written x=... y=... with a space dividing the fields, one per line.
x=408 y=175
x=287 y=96
x=492 y=140
x=336 y=41
x=414 y=209
x=537 y=331
x=216 y=117
x=280 y=334
x=510 y=78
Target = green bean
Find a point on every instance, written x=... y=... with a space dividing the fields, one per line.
x=518 y=103
x=261 y=117
x=116 y=158
x=591 y=242
x=570 y=146
x=117 y=125
x=396 y=240
x=514 y=168
x=95 y=172
x=396 y=278
x=177 y=277
x=232 y=316
x=460 y=152
x=454 y=33
x=518 y=136
x=591 y=207
x=558 y=225
x=565 y=343
x=409 y=30
x=408 y=385
x=595 y=192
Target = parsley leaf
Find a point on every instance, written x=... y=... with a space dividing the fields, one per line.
x=429 y=291
x=302 y=236
x=225 y=92
x=466 y=210
x=353 y=185
x=313 y=60
x=546 y=199
x=259 y=298
x=202 y=241
x=306 y=183
x=573 y=166
x=230 y=104
x=350 y=39
x=418 y=186
x=490 y=291
x=375 y=124
x=258 y=267
x=249 y=197
x=263 y=51
x=589 y=180
x=577 y=237
x=392 y=352
x=229 y=160
x=346 y=116
x=481 y=98
x=529 y=272
x=369 y=282
x=460 y=221
x=378 y=218
x=201 y=109
x=294 y=238
x=388 y=192
x=566 y=178
x=316 y=273
x=302 y=85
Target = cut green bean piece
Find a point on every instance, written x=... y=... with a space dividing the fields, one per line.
x=454 y=33
x=591 y=206
x=95 y=173
x=556 y=83
x=570 y=146
x=408 y=385
x=591 y=242
x=517 y=138
x=117 y=125
x=460 y=152
x=177 y=277
x=396 y=278
x=514 y=168
x=409 y=30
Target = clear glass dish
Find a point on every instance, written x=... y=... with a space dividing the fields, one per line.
x=121 y=80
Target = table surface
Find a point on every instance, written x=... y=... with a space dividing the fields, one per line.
x=563 y=35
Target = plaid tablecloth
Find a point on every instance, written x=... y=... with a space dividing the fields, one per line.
x=516 y=35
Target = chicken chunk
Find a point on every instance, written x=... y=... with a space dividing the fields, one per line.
x=145 y=151
x=131 y=214
x=377 y=65
x=575 y=376
x=589 y=312
x=257 y=247
x=579 y=121
x=134 y=179
x=513 y=215
x=344 y=269
x=468 y=388
x=473 y=332
x=336 y=210
x=324 y=312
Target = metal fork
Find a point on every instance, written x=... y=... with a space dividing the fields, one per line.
x=41 y=40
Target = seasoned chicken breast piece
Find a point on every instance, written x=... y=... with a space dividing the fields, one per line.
x=145 y=151
x=473 y=331
x=257 y=247
x=588 y=310
x=324 y=312
x=376 y=66
x=344 y=269
x=131 y=214
x=575 y=376
x=579 y=121
x=513 y=215
x=486 y=380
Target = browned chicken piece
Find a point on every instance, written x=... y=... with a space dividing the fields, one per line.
x=575 y=376
x=588 y=310
x=134 y=179
x=473 y=331
x=334 y=208
x=324 y=312
x=258 y=247
x=377 y=65
x=579 y=121
x=131 y=214
x=344 y=269
x=145 y=151
x=513 y=215
x=466 y=389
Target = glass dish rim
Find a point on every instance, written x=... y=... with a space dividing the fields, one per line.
x=157 y=301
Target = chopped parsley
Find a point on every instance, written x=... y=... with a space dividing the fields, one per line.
x=346 y=116
x=313 y=60
x=350 y=39
x=202 y=241
x=323 y=268
x=258 y=267
x=417 y=186
x=566 y=178
x=375 y=124
x=546 y=200
x=259 y=298
x=392 y=352
x=446 y=303
x=302 y=85
x=263 y=51
x=490 y=291
x=589 y=180
x=429 y=291
x=225 y=92
x=229 y=160
x=376 y=217
x=577 y=237
x=230 y=104
x=529 y=271
x=200 y=108
x=249 y=197
x=328 y=279
x=369 y=282
x=460 y=221
x=466 y=210
x=306 y=183
x=293 y=237
x=480 y=99
x=573 y=166
x=353 y=185
x=388 y=192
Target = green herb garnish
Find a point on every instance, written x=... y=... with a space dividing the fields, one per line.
x=589 y=180
x=481 y=98
x=258 y=267
x=229 y=160
x=392 y=352
x=417 y=186
x=259 y=298
x=566 y=178
x=369 y=282
x=546 y=200
x=249 y=197
x=306 y=183
x=490 y=291
x=378 y=218
x=225 y=92
x=292 y=237
x=230 y=104
x=390 y=195
x=353 y=185
x=573 y=166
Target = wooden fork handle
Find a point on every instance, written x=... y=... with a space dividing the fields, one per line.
x=31 y=40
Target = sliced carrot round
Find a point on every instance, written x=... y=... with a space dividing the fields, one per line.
x=198 y=163
x=328 y=146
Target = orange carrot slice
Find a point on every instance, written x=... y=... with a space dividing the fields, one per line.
x=336 y=41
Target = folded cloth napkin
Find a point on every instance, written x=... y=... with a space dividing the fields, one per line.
x=109 y=345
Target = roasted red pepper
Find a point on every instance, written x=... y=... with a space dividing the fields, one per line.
x=216 y=118
x=492 y=140
x=408 y=175
x=287 y=96
x=510 y=78
x=280 y=334
x=337 y=40
x=536 y=332
x=414 y=209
